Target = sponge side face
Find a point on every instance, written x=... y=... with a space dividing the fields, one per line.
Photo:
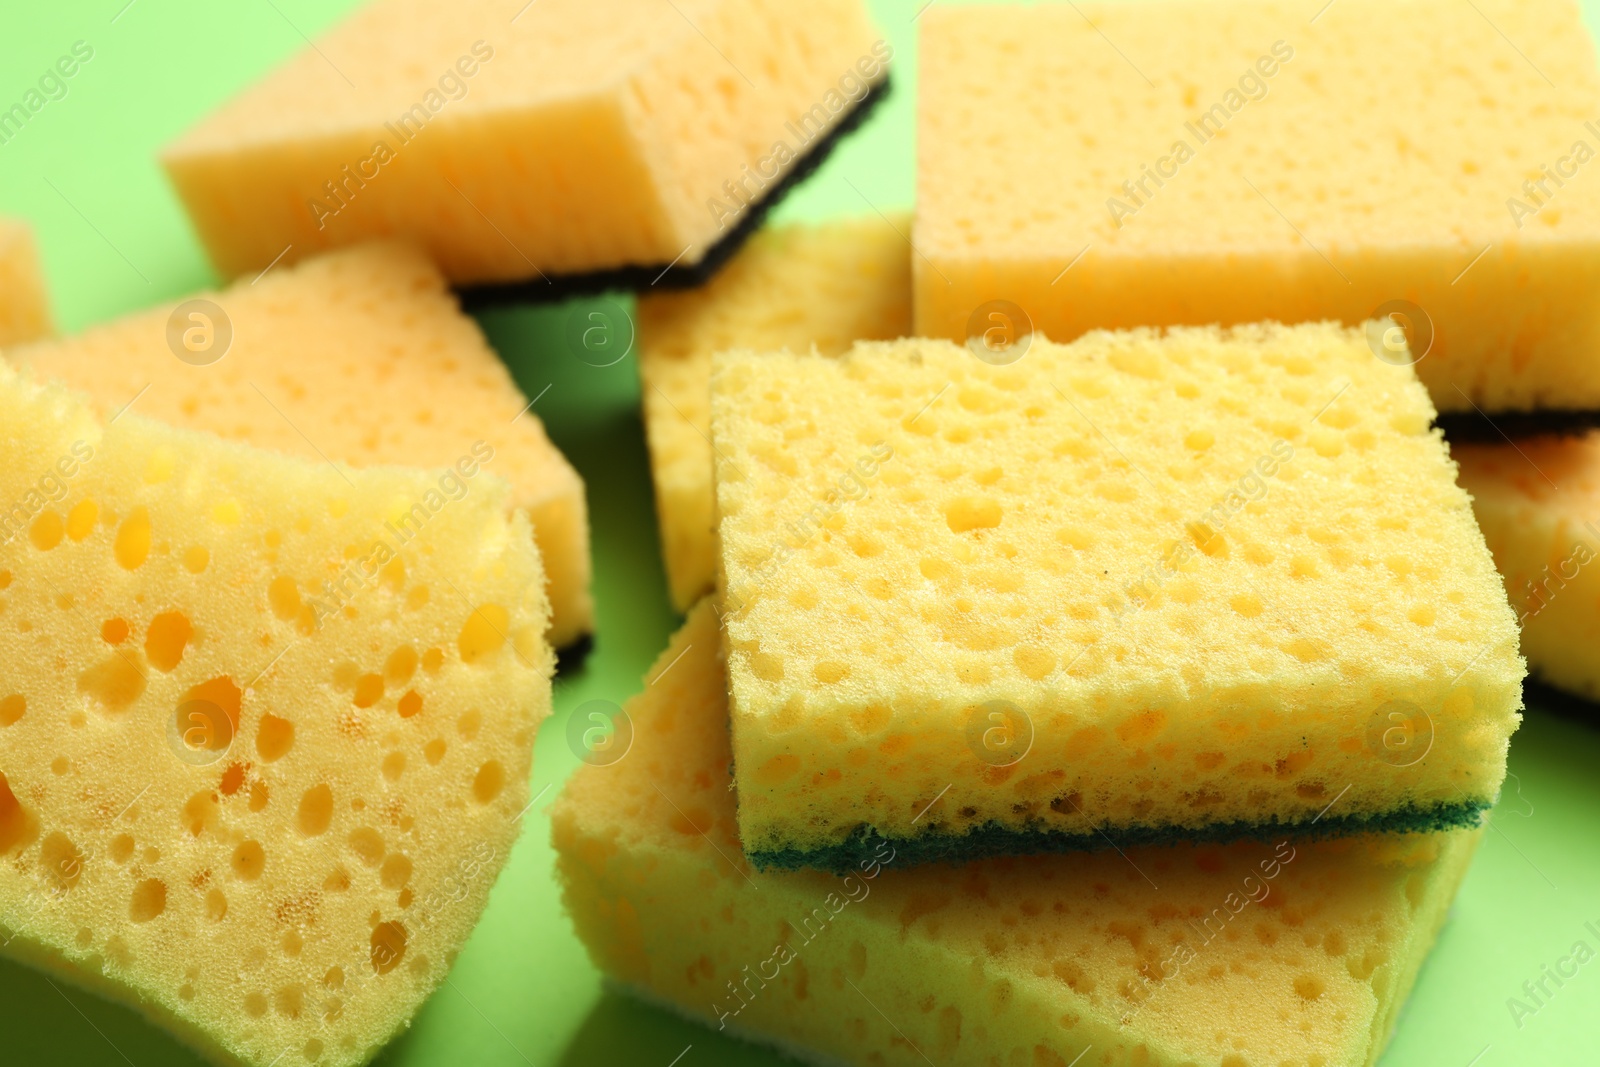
x=581 y=136
x=1009 y=960
x=1539 y=507
x=24 y=301
x=1200 y=583
x=265 y=814
x=800 y=288
x=361 y=357
x=1211 y=192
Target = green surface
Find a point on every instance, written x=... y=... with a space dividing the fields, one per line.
x=523 y=992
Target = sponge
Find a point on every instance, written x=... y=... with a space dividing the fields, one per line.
x=262 y=751
x=568 y=138
x=24 y=305
x=796 y=287
x=1216 y=163
x=1196 y=584
x=361 y=357
x=1142 y=958
x=1538 y=503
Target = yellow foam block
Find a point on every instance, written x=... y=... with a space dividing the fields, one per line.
x=265 y=815
x=1539 y=506
x=1144 y=958
x=572 y=136
x=798 y=287
x=1220 y=163
x=24 y=302
x=1143 y=587
x=360 y=357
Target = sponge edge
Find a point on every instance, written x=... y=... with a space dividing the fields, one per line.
x=1024 y=960
x=800 y=288
x=1148 y=586
x=1539 y=506
x=587 y=136
x=360 y=356
x=270 y=841
x=24 y=304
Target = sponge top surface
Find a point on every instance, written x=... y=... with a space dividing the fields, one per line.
x=1139 y=516
x=1031 y=118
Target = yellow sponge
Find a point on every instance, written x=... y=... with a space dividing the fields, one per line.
x=571 y=136
x=262 y=752
x=1539 y=506
x=1196 y=584
x=360 y=357
x=1221 y=163
x=24 y=305
x=1016 y=961
x=796 y=287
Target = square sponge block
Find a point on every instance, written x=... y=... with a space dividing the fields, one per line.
x=1538 y=503
x=360 y=356
x=1012 y=960
x=574 y=136
x=269 y=841
x=1150 y=585
x=1213 y=162
x=798 y=287
x=24 y=301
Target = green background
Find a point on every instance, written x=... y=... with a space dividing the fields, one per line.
x=114 y=239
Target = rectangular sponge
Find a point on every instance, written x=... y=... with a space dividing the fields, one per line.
x=24 y=301
x=1148 y=586
x=1014 y=961
x=1215 y=162
x=1538 y=503
x=270 y=838
x=360 y=357
x=578 y=136
x=800 y=288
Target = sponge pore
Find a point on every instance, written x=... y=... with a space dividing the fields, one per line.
x=260 y=758
x=1145 y=586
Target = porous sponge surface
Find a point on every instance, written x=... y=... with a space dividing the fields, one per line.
x=360 y=356
x=1261 y=214
x=271 y=841
x=1148 y=583
x=1144 y=958
x=580 y=136
x=801 y=288
x=24 y=301
x=1538 y=503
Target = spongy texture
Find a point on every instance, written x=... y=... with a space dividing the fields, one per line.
x=1248 y=135
x=800 y=288
x=1538 y=503
x=581 y=135
x=1145 y=958
x=261 y=757
x=1153 y=584
x=24 y=302
x=360 y=356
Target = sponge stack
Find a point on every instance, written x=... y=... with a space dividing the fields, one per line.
x=1196 y=584
x=571 y=137
x=1136 y=958
x=266 y=819
x=1193 y=162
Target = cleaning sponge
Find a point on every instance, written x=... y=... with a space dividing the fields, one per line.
x=1538 y=503
x=262 y=754
x=1191 y=162
x=1201 y=583
x=24 y=307
x=1143 y=958
x=359 y=356
x=795 y=287
x=571 y=137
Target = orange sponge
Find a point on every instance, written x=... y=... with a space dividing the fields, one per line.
x=24 y=305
